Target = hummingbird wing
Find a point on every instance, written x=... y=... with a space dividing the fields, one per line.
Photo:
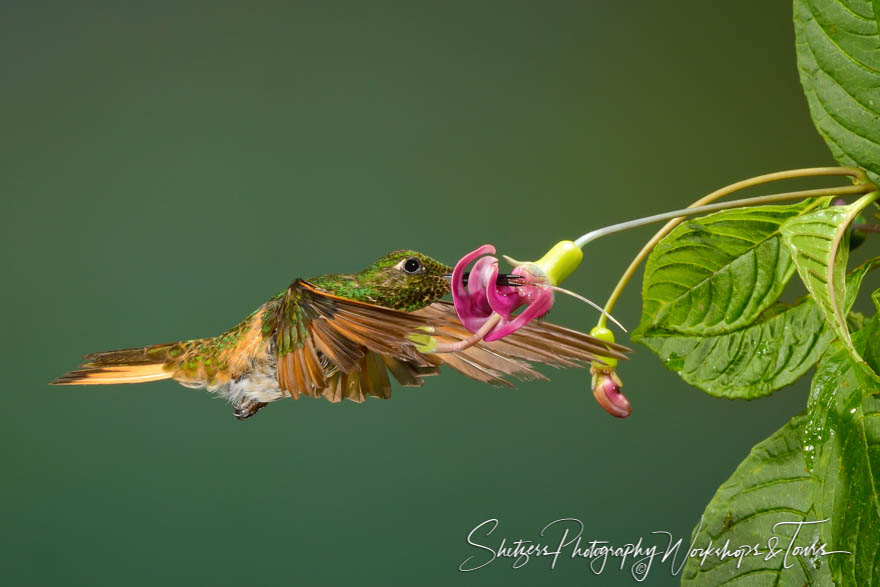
x=343 y=349
x=323 y=341
x=371 y=379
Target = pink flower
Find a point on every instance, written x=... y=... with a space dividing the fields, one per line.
x=486 y=301
x=477 y=295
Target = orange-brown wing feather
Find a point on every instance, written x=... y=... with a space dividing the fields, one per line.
x=337 y=348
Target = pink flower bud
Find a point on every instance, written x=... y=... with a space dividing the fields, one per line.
x=606 y=390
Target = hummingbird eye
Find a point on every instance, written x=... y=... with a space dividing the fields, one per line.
x=413 y=266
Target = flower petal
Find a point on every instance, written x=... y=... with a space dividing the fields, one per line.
x=471 y=314
x=504 y=299
x=483 y=276
x=536 y=309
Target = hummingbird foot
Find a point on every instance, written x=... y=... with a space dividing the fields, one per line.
x=247 y=408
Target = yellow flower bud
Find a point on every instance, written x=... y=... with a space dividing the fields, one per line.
x=605 y=335
x=559 y=262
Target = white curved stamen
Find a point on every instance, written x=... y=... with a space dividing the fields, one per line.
x=590 y=302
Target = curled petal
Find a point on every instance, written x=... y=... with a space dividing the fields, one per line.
x=471 y=313
x=482 y=277
x=503 y=299
x=606 y=390
x=536 y=309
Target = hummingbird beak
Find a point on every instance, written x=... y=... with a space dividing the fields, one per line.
x=502 y=279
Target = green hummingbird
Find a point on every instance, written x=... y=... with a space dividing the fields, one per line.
x=338 y=336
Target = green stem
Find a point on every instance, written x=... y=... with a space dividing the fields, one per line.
x=857 y=207
x=679 y=215
x=702 y=206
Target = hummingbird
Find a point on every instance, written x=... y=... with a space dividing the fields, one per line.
x=339 y=336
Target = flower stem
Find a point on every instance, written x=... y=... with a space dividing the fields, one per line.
x=454 y=347
x=678 y=215
x=861 y=186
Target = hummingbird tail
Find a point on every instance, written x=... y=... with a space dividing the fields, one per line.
x=136 y=365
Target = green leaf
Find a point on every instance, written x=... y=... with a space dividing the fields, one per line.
x=842 y=452
x=781 y=345
x=819 y=245
x=718 y=273
x=750 y=363
x=768 y=487
x=838 y=54
x=871 y=335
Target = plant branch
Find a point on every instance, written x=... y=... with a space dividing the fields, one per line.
x=861 y=186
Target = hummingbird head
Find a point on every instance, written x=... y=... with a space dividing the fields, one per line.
x=406 y=280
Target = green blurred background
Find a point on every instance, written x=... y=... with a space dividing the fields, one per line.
x=167 y=167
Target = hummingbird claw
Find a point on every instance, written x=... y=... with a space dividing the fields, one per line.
x=246 y=409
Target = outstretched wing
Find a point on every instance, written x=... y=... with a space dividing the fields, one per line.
x=323 y=340
x=343 y=349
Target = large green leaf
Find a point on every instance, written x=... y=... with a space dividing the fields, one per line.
x=748 y=363
x=842 y=450
x=768 y=487
x=838 y=54
x=718 y=273
x=779 y=347
x=819 y=245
